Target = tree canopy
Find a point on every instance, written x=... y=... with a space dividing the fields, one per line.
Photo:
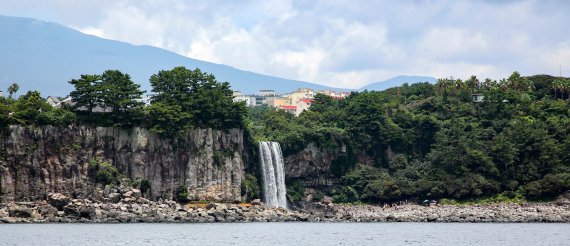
x=426 y=141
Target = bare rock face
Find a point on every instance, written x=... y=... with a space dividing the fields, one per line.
x=312 y=165
x=35 y=161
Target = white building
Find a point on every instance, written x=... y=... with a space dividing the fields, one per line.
x=238 y=97
x=53 y=101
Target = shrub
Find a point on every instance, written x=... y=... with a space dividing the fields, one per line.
x=145 y=186
x=296 y=191
x=548 y=187
x=345 y=194
x=249 y=188
x=105 y=172
x=182 y=195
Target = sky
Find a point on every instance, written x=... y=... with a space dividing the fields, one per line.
x=340 y=43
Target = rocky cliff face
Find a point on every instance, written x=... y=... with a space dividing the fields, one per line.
x=312 y=165
x=37 y=161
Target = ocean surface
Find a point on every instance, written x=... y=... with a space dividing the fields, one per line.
x=297 y=234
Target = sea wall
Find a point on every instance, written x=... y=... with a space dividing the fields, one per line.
x=35 y=161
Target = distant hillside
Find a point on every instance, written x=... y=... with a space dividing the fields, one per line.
x=44 y=56
x=397 y=81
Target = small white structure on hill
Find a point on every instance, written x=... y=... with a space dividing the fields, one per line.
x=53 y=101
x=477 y=97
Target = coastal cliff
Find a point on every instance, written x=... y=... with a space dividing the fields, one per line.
x=314 y=166
x=35 y=161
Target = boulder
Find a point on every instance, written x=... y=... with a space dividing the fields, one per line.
x=47 y=209
x=58 y=200
x=71 y=210
x=143 y=200
x=114 y=197
x=136 y=193
x=20 y=212
x=327 y=199
x=128 y=194
x=432 y=217
x=87 y=212
x=256 y=202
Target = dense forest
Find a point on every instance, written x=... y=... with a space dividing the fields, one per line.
x=457 y=139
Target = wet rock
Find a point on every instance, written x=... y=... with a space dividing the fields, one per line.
x=87 y=212
x=432 y=217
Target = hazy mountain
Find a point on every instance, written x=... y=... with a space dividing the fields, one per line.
x=44 y=56
x=397 y=81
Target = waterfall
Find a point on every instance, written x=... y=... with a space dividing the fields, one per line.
x=273 y=174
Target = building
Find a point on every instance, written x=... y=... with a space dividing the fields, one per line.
x=278 y=101
x=328 y=93
x=238 y=97
x=267 y=93
x=53 y=101
x=146 y=99
x=477 y=97
x=289 y=108
x=303 y=105
x=334 y=94
x=264 y=96
x=299 y=94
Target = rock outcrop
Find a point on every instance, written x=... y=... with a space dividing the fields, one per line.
x=36 y=161
x=312 y=165
x=127 y=210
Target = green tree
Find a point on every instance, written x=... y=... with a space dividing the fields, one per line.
x=12 y=89
x=119 y=92
x=27 y=108
x=87 y=92
x=168 y=120
x=191 y=94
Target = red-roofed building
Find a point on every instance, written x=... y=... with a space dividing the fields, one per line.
x=303 y=105
x=289 y=108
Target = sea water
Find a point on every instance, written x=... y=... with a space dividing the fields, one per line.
x=286 y=234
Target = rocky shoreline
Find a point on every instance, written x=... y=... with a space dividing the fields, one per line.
x=130 y=207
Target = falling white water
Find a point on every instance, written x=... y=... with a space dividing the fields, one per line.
x=273 y=174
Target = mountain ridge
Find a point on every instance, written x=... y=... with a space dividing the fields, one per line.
x=44 y=56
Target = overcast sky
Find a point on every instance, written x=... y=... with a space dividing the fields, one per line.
x=343 y=43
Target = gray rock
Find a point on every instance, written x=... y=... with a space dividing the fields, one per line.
x=327 y=200
x=256 y=202
x=114 y=197
x=58 y=200
x=20 y=212
x=128 y=194
x=136 y=193
x=87 y=212
x=143 y=200
x=141 y=153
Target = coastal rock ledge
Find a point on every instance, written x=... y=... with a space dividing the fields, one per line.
x=132 y=209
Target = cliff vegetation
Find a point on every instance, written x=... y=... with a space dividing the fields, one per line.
x=457 y=139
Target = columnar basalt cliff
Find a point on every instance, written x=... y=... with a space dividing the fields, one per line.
x=35 y=161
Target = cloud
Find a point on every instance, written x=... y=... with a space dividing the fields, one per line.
x=340 y=43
